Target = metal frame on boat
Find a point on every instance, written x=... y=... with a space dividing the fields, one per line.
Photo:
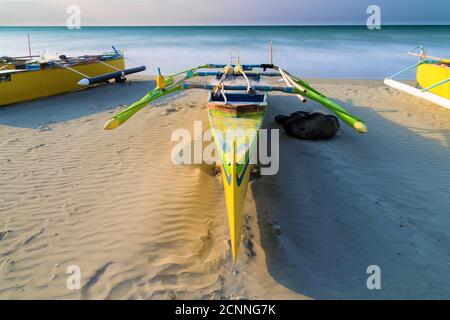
x=433 y=78
x=232 y=106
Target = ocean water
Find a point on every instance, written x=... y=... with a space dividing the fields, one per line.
x=336 y=52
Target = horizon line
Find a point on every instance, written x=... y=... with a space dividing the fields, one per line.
x=235 y=25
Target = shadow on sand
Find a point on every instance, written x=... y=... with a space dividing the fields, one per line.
x=73 y=105
x=357 y=200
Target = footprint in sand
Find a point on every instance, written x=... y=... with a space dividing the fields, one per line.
x=275 y=227
x=7 y=264
x=169 y=110
x=13 y=140
x=206 y=242
x=122 y=150
x=32 y=237
x=3 y=234
x=36 y=147
x=248 y=237
x=171 y=296
x=98 y=274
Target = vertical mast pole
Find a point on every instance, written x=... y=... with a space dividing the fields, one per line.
x=270 y=52
x=29 y=45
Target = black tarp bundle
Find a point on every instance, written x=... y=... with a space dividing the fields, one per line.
x=309 y=125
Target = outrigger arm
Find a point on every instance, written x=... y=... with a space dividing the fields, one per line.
x=118 y=74
x=87 y=81
x=167 y=85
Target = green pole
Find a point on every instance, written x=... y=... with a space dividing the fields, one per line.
x=119 y=118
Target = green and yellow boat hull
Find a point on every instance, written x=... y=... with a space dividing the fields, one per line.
x=235 y=126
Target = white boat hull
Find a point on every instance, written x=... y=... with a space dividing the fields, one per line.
x=443 y=102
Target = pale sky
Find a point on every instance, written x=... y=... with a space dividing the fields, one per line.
x=222 y=12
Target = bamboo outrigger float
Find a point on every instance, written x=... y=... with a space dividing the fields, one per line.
x=433 y=79
x=241 y=107
x=32 y=77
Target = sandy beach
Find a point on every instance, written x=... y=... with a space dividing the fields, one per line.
x=141 y=227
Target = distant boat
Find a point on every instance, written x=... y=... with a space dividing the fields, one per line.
x=33 y=77
x=433 y=77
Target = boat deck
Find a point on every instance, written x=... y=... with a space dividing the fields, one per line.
x=238 y=103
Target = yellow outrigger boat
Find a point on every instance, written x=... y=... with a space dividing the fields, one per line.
x=33 y=77
x=433 y=79
x=235 y=108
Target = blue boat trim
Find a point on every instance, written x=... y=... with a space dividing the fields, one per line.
x=240 y=178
